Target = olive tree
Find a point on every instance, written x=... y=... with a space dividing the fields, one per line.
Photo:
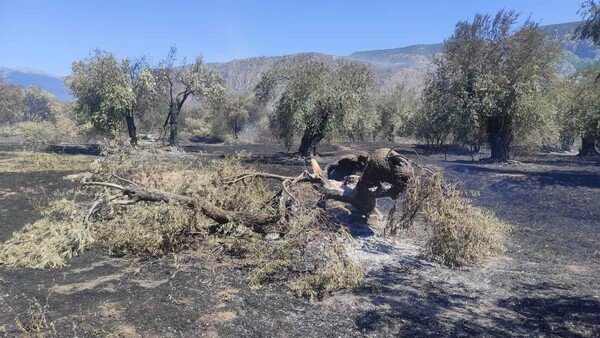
x=581 y=109
x=493 y=78
x=394 y=111
x=39 y=105
x=108 y=91
x=182 y=81
x=315 y=100
x=11 y=103
x=589 y=29
x=367 y=124
x=231 y=113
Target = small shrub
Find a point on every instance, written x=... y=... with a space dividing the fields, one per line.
x=39 y=132
x=8 y=130
x=198 y=125
x=60 y=129
x=460 y=233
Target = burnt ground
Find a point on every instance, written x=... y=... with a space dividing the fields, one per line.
x=547 y=283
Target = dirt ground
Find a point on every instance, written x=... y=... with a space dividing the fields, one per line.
x=547 y=283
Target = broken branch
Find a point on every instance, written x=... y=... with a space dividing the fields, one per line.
x=258 y=223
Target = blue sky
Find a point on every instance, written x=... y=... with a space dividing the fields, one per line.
x=50 y=35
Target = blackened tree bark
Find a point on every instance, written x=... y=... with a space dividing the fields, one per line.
x=312 y=136
x=500 y=135
x=179 y=82
x=308 y=145
x=588 y=146
x=174 y=110
x=131 y=129
x=173 y=114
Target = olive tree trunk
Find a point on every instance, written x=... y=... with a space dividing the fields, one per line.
x=588 y=146
x=173 y=126
x=312 y=136
x=500 y=136
x=131 y=129
x=308 y=145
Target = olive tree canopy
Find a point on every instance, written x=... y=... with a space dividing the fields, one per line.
x=492 y=79
x=108 y=90
x=314 y=100
x=11 y=103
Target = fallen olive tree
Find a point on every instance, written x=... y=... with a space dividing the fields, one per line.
x=140 y=202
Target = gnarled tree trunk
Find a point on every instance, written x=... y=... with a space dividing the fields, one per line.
x=312 y=136
x=588 y=146
x=500 y=139
x=308 y=145
x=382 y=167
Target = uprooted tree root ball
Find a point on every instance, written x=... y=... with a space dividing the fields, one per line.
x=143 y=203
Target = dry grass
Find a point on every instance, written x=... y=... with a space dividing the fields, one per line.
x=25 y=161
x=340 y=272
x=36 y=323
x=49 y=242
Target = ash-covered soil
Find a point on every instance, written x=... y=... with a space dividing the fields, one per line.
x=547 y=283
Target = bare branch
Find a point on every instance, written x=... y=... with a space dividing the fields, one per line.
x=258 y=223
x=86 y=220
x=261 y=175
x=125 y=180
x=105 y=184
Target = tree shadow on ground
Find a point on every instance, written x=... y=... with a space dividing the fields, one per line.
x=422 y=308
x=537 y=159
x=84 y=149
x=553 y=314
x=563 y=161
x=419 y=308
x=206 y=139
x=567 y=178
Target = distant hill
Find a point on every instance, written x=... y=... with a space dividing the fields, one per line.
x=406 y=65
x=577 y=53
x=242 y=75
x=417 y=56
x=28 y=77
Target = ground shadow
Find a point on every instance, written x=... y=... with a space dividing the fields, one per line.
x=564 y=316
x=419 y=308
x=567 y=178
x=423 y=308
x=206 y=139
x=84 y=149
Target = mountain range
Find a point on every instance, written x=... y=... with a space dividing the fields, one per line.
x=406 y=65
x=26 y=77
